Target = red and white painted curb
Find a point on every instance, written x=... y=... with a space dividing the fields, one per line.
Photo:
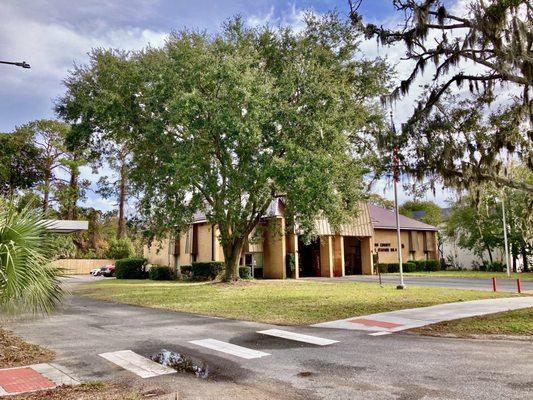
x=35 y=377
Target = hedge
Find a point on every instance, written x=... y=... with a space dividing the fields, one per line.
x=186 y=270
x=432 y=265
x=160 y=273
x=130 y=268
x=245 y=272
x=492 y=267
x=203 y=271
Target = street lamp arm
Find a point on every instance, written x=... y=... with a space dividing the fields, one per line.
x=22 y=64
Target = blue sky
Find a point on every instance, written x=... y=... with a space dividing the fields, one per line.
x=53 y=34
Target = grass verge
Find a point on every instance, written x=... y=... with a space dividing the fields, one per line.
x=15 y=352
x=525 y=276
x=286 y=302
x=513 y=323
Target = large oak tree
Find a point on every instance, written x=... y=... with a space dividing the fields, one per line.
x=226 y=123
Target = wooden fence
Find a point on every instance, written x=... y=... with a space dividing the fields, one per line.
x=78 y=266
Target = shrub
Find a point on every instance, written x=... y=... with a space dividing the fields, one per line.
x=393 y=267
x=432 y=265
x=202 y=271
x=409 y=267
x=245 y=272
x=130 y=268
x=381 y=268
x=160 y=273
x=420 y=265
x=186 y=271
x=496 y=266
x=120 y=249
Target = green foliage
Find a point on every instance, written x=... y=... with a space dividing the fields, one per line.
x=432 y=265
x=290 y=263
x=160 y=273
x=27 y=281
x=409 y=267
x=120 y=248
x=431 y=211
x=376 y=199
x=186 y=271
x=245 y=272
x=492 y=266
x=62 y=246
x=227 y=123
x=20 y=162
x=464 y=143
x=130 y=268
x=202 y=271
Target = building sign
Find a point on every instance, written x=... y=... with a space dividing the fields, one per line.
x=385 y=248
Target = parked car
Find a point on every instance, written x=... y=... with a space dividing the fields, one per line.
x=108 y=270
x=95 y=271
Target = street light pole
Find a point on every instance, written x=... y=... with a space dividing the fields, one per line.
x=22 y=64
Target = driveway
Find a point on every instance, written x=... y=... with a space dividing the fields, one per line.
x=357 y=366
x=503 y=285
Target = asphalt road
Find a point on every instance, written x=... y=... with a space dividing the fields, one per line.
x=503 y=285
x=397 y=366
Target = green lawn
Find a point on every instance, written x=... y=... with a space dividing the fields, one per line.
x=286 y=302
x=516 y=322
x=525 y=276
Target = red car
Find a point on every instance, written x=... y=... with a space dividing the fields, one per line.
x=108 y=270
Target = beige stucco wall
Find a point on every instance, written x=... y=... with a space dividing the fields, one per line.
x=274 y=249
x=77 y=266
x=160 y=252
x=383 y=237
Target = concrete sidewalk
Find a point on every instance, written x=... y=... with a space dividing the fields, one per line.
x=394 y=321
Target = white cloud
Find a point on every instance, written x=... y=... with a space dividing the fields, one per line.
x=51 y=47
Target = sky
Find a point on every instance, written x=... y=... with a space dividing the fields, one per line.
x=52 y=35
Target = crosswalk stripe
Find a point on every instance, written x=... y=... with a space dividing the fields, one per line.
x=137 y=364
x=298 y=337
x=380 y=333
x=228 y=348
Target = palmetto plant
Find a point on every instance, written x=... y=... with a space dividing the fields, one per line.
x=27 y=281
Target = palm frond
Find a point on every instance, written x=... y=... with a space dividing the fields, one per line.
x=28 y=283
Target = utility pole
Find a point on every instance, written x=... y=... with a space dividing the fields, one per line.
x=396 y=179
x=508 y=267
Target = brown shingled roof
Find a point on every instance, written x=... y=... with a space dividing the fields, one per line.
x=386 y=219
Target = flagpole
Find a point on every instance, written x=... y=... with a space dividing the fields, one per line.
x=396 y=178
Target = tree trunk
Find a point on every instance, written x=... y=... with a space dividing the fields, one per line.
x=46 y=194
x=72 y=212
x=232 y=256
x=121 y=232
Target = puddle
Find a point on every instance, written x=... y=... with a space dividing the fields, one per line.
x=180 y=362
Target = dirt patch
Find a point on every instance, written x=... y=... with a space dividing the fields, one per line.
x=15 y=352
x=90 y=391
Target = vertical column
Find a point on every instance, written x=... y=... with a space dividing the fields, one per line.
x=274 y=249
x=366 y=256
x=326 y=256
x=338 y=255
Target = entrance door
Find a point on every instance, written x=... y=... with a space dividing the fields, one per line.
x=352 y=256
x=309 y=258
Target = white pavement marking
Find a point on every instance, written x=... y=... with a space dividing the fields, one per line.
x=55 y=373
x=379 y=333
x=298 y=337
x=229 y=348
x=137 y=364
